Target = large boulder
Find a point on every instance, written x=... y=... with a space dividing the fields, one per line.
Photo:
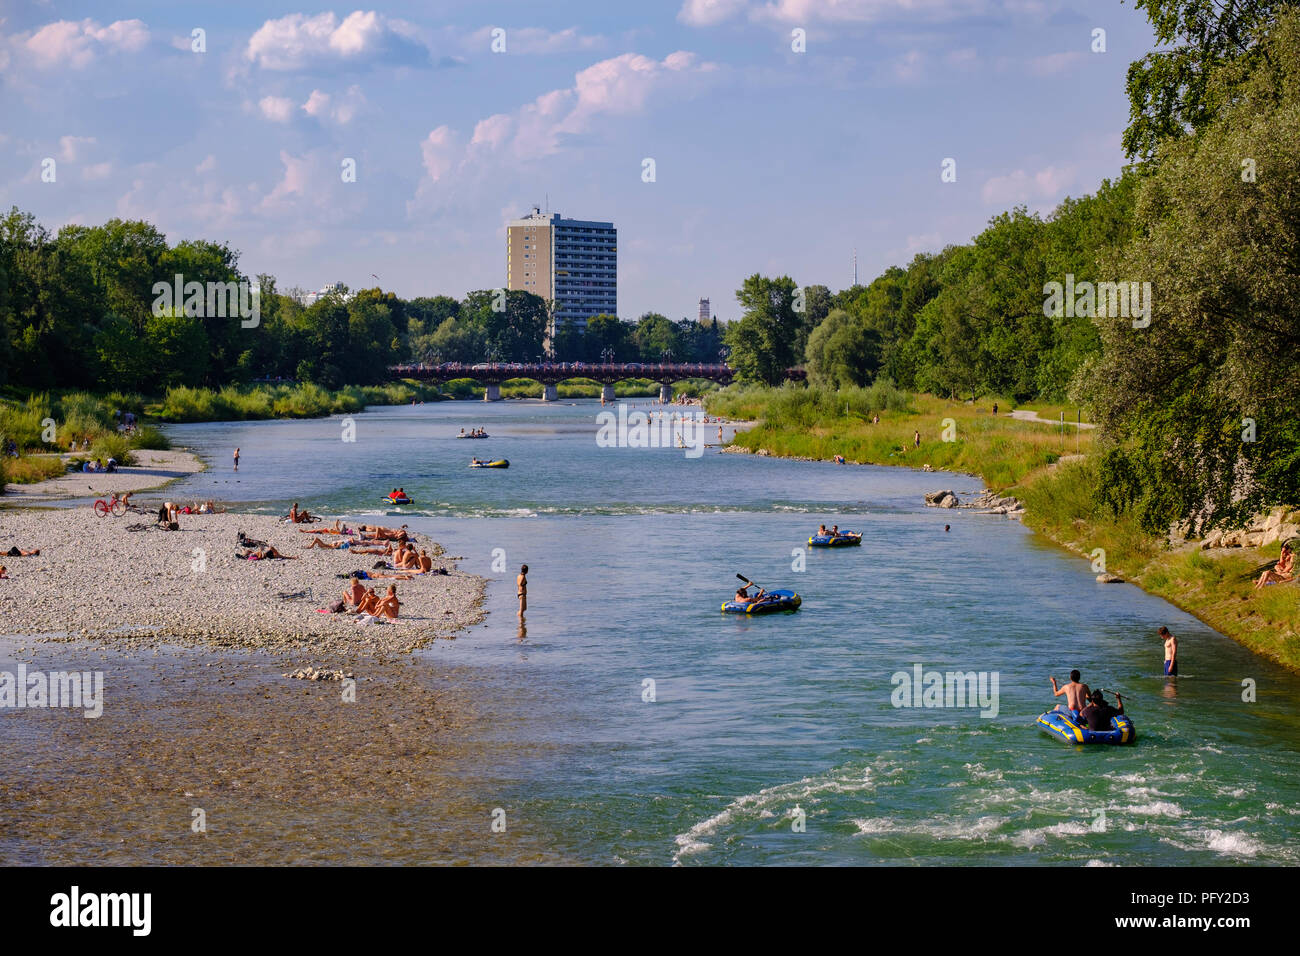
x=934 y=497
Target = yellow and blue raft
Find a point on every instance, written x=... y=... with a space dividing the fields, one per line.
x=779 y=600
x=1066 y=725
x=844 y=539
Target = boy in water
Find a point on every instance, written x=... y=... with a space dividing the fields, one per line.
x=1076 y=693
x=1171 y=652
x=521 y=588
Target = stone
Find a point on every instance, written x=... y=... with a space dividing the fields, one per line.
x=1107 y=578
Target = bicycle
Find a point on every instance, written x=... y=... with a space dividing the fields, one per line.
x=114 y=505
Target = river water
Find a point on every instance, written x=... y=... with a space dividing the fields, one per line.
x=643 y=726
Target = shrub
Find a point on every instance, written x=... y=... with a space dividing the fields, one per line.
x=112 y=445
x=150 y=437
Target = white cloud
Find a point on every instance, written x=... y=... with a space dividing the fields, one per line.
x=705 y=13
x=341 y=110
x=74 y=45
x=292 y=183
x=70 y=147
x=908 y=67
x=300 y=42
x=439 y=152
x=1023 y=187
x=702 y=13
x=97 y=171
x=208 y=165
x=1054 y=62
x=536 y=40
x=278 y=109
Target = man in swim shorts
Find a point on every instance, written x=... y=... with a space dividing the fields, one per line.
x=1171 y=652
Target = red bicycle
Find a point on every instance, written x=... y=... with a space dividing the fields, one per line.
x=114 y=505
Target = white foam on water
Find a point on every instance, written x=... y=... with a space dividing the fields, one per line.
x=1156 y=808
x=1098 y=863
x=1232 y=844
x=754 y=805
x=1038 y=836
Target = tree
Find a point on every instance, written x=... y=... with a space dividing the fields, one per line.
x=762 y=342
x=842 y=350
x=1169 y=90
x=1201 y=407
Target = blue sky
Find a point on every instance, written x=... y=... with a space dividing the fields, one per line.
x=766 y=159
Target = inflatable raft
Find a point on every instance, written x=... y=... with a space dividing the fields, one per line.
x=473 y=436
x=779 y=600
x=390 y=500
x=1066 y=725
x=499 y=463
x=844 y=539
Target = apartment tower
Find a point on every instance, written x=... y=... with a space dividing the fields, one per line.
x=571 y=261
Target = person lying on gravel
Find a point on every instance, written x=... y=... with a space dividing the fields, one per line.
x=337 y=529
x=17 y=552
x=376 y=531
x=386 y=549
x=267 y=553
x=344 y=545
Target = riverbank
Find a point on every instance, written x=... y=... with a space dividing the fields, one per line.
x=1047 y=467
x=96 y=579
x=153 y=469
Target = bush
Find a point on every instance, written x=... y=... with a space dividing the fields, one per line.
x=31 y=469
x=150 y=437
x=112 y=445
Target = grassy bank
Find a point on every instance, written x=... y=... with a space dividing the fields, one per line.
x=1050 y=472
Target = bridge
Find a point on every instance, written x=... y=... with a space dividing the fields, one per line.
x=550 y=374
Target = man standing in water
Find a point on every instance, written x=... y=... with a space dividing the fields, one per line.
x=521 y=587
x=236 y=459
x=1171 y=652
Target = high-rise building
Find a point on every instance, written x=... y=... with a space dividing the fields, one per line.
x=704 y=311
x=571 y=261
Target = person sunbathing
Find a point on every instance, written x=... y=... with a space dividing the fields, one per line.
x=344 y=545
x=336 y=529
x=269 y=552
x=369 y=602
x=387 y=549
x=398 y=575
x=4 y=572
x=426 y=562
x=389 y=605
x=17 y=552
x=247 y=542
x=352 y=595
x=1281 y=572
x=301 y=517
x=407 y=559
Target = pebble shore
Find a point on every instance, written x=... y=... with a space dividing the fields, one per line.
x=95 y=579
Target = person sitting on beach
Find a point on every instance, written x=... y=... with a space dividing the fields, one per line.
x=369 y=602
x=17 y=552
x=1097 y=714
x=426 y=562
x=1076 y=693
x=4 y=572
x=1282 y=571
x=407 y=559
x=353 y=594
x=389 y=605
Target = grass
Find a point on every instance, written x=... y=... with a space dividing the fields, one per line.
x=29 y=469
x=801 y=422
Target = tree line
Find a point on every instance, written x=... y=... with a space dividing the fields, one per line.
x=1199 y=399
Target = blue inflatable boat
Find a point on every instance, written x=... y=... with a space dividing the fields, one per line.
x=1066 y=725
x=844 y=539
x=400 y=500
x=779 y=600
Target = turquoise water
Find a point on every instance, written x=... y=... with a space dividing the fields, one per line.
x=774 y=740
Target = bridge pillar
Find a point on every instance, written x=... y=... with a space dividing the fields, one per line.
x=492 y=393
x=665 y=393
x=550 y=393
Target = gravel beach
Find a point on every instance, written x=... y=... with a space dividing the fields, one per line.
x=95 y=579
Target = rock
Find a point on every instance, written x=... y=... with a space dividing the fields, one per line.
x=949 y=502
x=1212 y=540
x=763 y=452
x=936 y=496
x=1269 y=536
x=1106 y=578
x=1253 y=539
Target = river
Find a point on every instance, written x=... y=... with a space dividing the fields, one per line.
x=645 y=727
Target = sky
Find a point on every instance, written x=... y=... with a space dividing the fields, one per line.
x=721 y=137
